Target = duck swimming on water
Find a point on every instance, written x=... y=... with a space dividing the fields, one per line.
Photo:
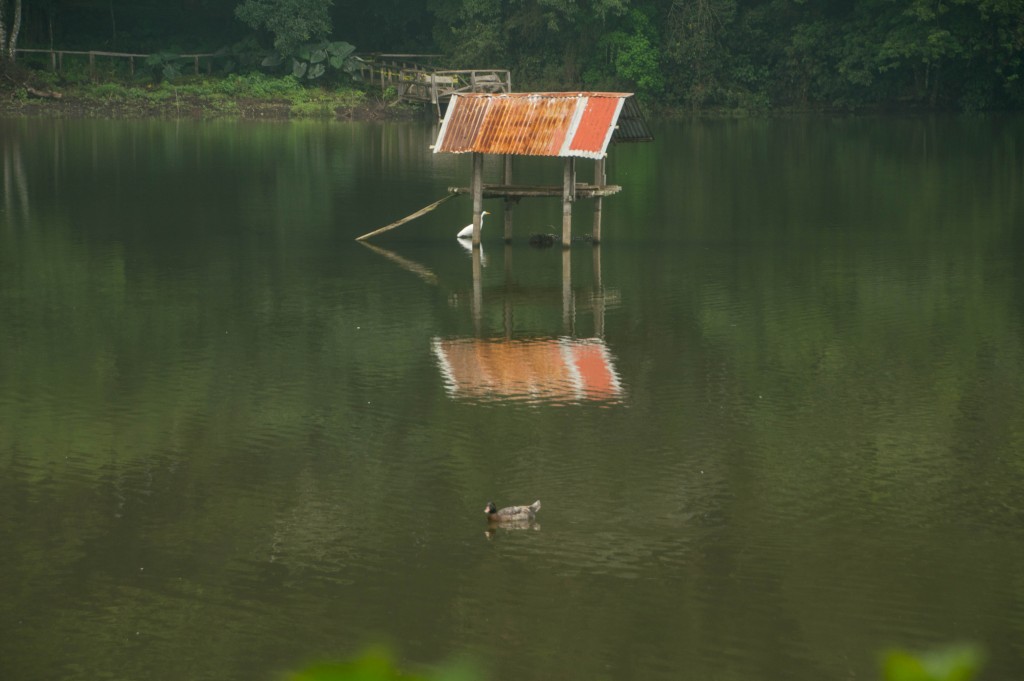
x=512 y=514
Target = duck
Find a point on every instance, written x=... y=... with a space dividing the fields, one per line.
x=511 y=514
x=467 y=231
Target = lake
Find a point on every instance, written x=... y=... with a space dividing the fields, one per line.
x=776 y=419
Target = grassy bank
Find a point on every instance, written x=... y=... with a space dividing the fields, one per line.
x=35 y=93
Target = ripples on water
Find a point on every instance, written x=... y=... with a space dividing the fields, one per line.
x=232 y=444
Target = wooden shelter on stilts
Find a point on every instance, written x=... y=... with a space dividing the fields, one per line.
x=566 y=125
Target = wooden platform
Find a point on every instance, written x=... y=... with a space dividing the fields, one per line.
x=519 y=191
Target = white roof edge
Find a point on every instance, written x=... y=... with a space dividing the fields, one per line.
x=439 y=142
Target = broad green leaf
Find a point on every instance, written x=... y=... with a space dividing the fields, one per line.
x=315 y=71
x=340 y=49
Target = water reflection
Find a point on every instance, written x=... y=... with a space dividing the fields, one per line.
x=555 y=370
x=15 y=183
x=549 y=364
x=467 y=245
x=406 y=264
x=518 y=526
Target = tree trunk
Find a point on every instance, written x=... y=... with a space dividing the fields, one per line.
x=12 y=42
x=51 y=18
x=113 y=24
x=3 y=34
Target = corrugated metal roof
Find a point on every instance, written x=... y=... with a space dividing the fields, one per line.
x=531 y=123
x=632 y=126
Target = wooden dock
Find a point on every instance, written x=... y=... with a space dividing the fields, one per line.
x=415 y=79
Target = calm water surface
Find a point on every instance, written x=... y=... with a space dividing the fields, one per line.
x=776 y=420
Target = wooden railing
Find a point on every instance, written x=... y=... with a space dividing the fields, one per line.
x=57 y=58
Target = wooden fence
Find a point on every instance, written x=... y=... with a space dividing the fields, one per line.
x=57 y=58
x=413 y=76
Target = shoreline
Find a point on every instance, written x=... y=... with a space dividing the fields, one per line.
x=254 y=98
x=194 y=108
x=283 y=99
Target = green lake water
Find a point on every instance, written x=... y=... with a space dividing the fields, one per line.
x=776 y=419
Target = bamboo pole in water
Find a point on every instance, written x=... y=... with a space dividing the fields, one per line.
x=568 y=196
x=398 y=223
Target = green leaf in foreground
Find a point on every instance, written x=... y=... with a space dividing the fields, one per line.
x=955 y=663
x=374 y=665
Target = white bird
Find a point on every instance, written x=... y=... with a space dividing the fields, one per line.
x=467 y=231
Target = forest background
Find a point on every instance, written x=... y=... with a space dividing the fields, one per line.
x=691 y=54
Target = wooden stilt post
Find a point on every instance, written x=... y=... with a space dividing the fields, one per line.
x=567 y=291
x=92 y=66
x=507 y=318
x=599 y=181
x=568 y=196
x=478 y=289
x=478 y=194
x=509 y=203
x=599 y=302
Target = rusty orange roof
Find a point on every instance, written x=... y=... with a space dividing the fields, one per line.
x=531 y=123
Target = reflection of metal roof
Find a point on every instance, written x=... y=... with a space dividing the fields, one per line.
x=563 y=124
x=541 y=370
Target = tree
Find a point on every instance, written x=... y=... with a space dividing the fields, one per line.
x=695 y=29
x=9 y=41
x=293 y=23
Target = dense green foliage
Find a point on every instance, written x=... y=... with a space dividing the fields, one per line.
x=935 y=54
x=292 y=22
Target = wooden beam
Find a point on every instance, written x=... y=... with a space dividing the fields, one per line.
x=537 y=191
x=397 y=223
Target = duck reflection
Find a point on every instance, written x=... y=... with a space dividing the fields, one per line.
x=517 y=526
x=556 y=370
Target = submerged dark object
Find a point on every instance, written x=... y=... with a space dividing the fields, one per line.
x=544 y=240
x=547 y=240
x=511 y=514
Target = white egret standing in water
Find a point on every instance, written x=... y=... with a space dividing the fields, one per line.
x=467 y=231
